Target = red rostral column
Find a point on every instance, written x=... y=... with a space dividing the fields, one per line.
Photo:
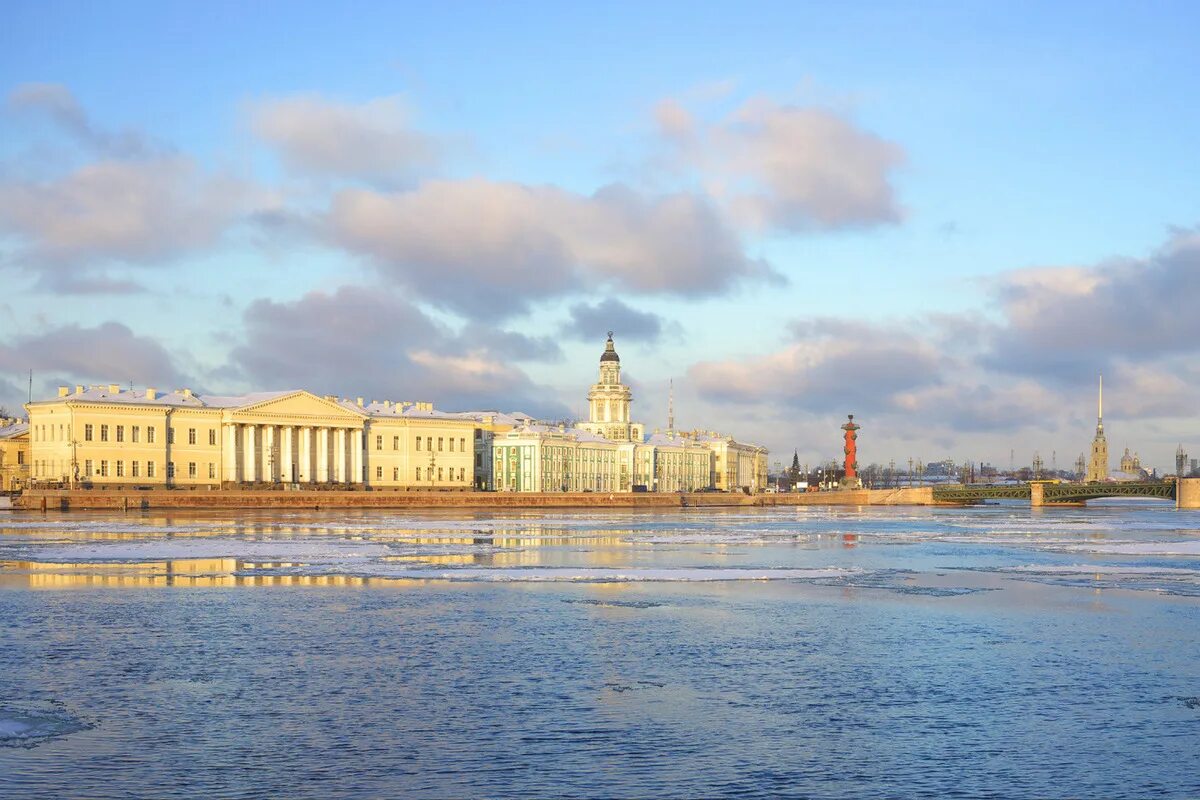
x=851 y=481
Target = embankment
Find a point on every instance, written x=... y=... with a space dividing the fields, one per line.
x=86 y=499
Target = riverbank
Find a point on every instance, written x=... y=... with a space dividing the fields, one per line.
x=93 y=500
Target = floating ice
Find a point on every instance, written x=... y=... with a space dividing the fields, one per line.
x=29 y=724
x=609 y=574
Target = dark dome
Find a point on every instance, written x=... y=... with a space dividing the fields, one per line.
x=609 y=354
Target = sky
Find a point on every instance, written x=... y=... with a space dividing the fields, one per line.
x=945 y=218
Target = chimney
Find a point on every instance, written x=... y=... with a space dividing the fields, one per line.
x=359 y=401
x=63 y=391
x=151 y=393
x=186 y=392
x=114 y=388
x=78 y=389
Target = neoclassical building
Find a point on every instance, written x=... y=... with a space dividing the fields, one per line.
x=609 y=452
x=14 y=454
x=109 y=435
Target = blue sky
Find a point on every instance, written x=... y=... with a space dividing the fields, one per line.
x=810 y=210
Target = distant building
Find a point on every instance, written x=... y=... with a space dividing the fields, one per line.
x=1098 y=464
x=14 y=454
x=609 y=452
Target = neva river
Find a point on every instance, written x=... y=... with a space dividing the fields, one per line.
x=999 y=651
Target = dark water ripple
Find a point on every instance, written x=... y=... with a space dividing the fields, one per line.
x=934 y=667
x=491 y=692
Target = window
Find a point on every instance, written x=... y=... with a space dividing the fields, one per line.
x=418 y=473
x=396 y=474
x=149 y=435
x=20 y=457
x=462 y=473
x=439 y=473
x=149 y=466
x=478 y=460
x=170 y=436
x=395 y=442
x=462 y=444
x=191 y=469
x=104 y=433
x=451 y=444
x=429 y=443
x=212 y=438
x=191 y=435
x=120 y=469
x=87 y=468
x=87 y=432
x=212 y=471
x=170 y=468
x=133 y=468
x=133 y=433
x=439 y=444
x=120 y=433
x=418 y=443
x=379 y=473
x=103 y=469
x=378 y=442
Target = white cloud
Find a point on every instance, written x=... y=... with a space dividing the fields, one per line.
x=786 y=167
x=489 y=248
x=372 y=141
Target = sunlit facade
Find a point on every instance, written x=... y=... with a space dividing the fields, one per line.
x=112 y=436
x=14 y=454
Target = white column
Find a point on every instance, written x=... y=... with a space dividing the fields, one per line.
x=287 y=456
x=339 y=455
x=305 y=464
x=356 y=456
x=229 y=462
x=270 y=457
x=322 y=455
x=250 y=454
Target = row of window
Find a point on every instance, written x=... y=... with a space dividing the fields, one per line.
x=441 y=441
x=135 y=469
x=135 y=433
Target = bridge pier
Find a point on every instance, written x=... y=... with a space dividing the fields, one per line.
x=1187 y=493
x=1037 y=495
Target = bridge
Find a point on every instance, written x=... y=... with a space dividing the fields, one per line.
x=1039 y=494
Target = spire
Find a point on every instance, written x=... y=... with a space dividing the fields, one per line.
x=671 y=406
x=1100 y=402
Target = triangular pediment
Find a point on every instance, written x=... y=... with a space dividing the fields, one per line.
x=299 y=405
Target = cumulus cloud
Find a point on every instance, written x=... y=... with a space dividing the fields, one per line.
x=788 y=168
x=592 y=322
x=828 y=365
x=106 y=353
x=1065 y=323
x=378 y=344
x=142 y=211
x=59 y=105
x=490 y=248
x=372 y=141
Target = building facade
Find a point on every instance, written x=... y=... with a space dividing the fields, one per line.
x=610 y=452
x=14 y=454
x=110 y=436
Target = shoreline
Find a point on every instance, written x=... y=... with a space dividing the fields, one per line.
x=93 y=500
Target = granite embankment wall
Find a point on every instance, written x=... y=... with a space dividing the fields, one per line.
x=85 y=499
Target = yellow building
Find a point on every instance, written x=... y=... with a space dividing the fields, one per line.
x=110 y=436
x=737 y=467
x=14 y=454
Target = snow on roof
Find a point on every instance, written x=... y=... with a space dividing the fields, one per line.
x=183 y=398
x=14 y=429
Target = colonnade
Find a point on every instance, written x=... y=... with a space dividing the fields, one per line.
x=257 y=453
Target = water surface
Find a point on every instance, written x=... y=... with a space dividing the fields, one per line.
x=809 y=652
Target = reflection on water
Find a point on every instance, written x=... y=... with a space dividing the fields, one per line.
x=826 y=653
